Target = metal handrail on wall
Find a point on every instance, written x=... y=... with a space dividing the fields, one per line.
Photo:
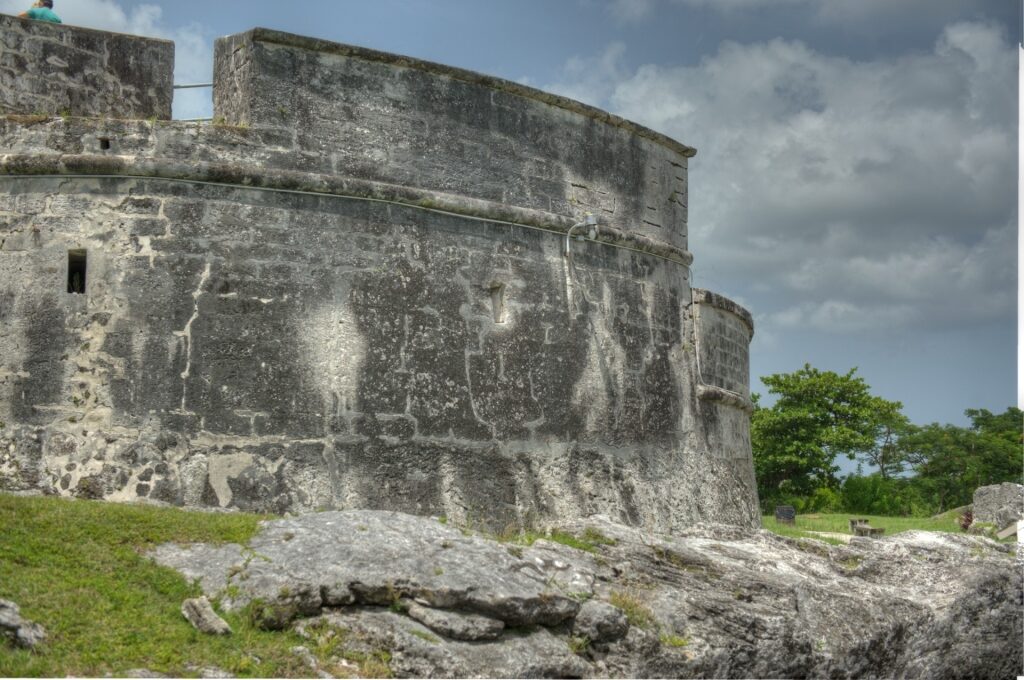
x=192 y=86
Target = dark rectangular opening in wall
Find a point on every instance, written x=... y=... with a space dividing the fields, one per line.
x=76 y=271
x=105 y=143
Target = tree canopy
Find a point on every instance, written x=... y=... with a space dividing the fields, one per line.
x=819 y=415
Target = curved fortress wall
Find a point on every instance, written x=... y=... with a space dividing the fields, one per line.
x=363 y=303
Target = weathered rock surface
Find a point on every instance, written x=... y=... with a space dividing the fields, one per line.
x=19 y=631
x=600 y=622
x=200 y=614
x=416 y=652
x=999 y=504
x=711 y=602
x=455 y=625
x=376 y=558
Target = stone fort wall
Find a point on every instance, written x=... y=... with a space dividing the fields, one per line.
x=351 y=291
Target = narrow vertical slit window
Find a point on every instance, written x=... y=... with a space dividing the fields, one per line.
x=498 y=301
x=76 y=271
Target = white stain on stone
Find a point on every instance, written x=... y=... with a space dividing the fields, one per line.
x=187 y=332
x=333 y=350
x=223 y=467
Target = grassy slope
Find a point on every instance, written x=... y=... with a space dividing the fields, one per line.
x=76 y=567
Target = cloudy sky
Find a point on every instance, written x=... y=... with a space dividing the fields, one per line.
x=856 y=178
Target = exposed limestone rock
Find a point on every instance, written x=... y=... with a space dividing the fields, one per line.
x=456 y=625
x=201 y=615
x=376 y=558
x=714 y=601
x=600 y=622
x=1000 y=504
x=143 y=673
x=416 y=652
x=19 y=631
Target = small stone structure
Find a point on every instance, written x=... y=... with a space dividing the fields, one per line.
x=352 y=291
x=999 y=504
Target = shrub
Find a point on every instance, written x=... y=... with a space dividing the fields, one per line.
x=966 y=520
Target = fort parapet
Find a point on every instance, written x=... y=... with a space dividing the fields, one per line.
x=352 y=290
x=58 y=70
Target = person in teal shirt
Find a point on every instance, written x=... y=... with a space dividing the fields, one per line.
x=42 y=11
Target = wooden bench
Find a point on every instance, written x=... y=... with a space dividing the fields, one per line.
x=859 y=527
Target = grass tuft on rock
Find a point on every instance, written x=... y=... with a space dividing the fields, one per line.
x=636 y=611
x=588 y=541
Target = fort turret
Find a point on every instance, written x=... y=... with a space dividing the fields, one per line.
x=370 y=281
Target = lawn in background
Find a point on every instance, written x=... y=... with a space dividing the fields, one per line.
x=840 y=524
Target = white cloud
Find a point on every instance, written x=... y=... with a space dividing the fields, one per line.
x=839 y=194
x=854 y=15
x=739 y=5
x=631 y=10
x=593 y=79
x=193 y=58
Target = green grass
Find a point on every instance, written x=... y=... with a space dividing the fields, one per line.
x=669 y=640
x=77 y=568
x=633 y=607
x=840 y=524
x=588 y=541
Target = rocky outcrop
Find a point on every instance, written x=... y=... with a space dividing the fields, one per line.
x=21 y=632
x=435 y=601
x=200 y=614
x=999 y=504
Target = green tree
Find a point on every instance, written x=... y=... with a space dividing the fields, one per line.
x=950 y=462
x=890 y=426
x=817 y=416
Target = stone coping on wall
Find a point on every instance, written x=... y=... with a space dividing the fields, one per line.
x=68 y=146
x=702 y=296
x=235 y=172
x=282 y=38
x=97 y=34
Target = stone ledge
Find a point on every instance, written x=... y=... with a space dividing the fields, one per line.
x=291 y=181
x=724 y=396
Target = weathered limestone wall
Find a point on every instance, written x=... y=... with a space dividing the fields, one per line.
x=725 y=332
x=53 y=69
x=325 y=352
x=419 y=124
x=268 y=325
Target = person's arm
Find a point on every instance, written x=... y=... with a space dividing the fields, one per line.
x=23 y=15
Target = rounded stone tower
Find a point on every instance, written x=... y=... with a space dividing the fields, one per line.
x=370 y=282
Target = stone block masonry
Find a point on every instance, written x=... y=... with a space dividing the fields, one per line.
x=327 y=308
x=54 y=69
